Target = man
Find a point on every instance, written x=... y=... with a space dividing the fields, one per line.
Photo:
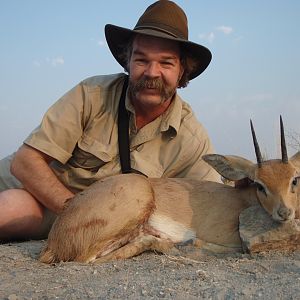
x=76 y=143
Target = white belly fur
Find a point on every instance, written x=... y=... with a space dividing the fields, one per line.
x=171 y=229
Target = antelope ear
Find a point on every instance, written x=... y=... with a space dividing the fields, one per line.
x=295 y=160
x=231 y=167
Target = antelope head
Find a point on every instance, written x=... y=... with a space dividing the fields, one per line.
x=277 y=181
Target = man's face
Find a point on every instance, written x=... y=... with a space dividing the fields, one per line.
x=154 y=69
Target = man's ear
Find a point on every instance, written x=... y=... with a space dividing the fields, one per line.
x=231 y=167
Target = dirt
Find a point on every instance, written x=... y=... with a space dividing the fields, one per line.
x=150 y=276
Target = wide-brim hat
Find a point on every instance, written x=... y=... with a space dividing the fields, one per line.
x=163 y=19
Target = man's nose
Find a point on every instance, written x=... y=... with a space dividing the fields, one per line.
x=152 y=70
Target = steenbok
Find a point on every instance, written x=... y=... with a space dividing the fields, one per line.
x=122 y=216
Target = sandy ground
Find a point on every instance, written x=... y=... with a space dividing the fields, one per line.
x=150 y=276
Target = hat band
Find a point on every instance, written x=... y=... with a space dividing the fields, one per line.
x=159 y=29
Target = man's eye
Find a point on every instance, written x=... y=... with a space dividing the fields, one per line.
x=167 y=64
x=140 y=61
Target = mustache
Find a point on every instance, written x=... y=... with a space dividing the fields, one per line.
x=149 y=83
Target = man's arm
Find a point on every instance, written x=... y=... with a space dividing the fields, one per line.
x=31 y=168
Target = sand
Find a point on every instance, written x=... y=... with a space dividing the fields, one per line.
x=150 y=276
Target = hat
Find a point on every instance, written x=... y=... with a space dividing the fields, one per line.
x=163 y=19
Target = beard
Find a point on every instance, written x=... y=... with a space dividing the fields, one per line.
x=165 y=92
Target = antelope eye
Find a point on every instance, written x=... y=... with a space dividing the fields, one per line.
x=260 y=188
x=295 y=181
x=294 y=184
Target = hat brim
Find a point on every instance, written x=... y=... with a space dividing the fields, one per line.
x=117 y=37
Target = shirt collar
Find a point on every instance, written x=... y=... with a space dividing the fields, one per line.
x=171 y=119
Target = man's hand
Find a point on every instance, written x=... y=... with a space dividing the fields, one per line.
x=31 y=168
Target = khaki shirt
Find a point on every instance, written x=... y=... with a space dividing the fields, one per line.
x=80 y=132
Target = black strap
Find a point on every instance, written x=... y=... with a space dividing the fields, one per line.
x=123 y=132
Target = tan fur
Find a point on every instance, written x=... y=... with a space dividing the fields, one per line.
x=277 y=178
x=211 y=209
x=124 y=215
x=89 y=227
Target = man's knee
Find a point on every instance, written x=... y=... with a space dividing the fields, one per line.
x=20 y=201
x=22 y=216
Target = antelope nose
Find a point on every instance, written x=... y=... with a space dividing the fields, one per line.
x=285 y=213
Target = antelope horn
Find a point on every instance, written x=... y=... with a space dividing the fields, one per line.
x=284 y=155
x=256 y=147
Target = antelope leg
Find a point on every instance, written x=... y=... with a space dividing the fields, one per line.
x=137 y=246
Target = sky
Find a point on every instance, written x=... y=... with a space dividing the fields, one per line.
x=47 y=47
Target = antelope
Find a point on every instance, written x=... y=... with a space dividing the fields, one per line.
x=124 y=215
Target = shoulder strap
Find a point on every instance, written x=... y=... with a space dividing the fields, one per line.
x=123 y=132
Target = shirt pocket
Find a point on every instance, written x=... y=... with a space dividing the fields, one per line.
x=146 y=165
x=91 y=154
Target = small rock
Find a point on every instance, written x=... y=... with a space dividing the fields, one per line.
x=260 y=233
